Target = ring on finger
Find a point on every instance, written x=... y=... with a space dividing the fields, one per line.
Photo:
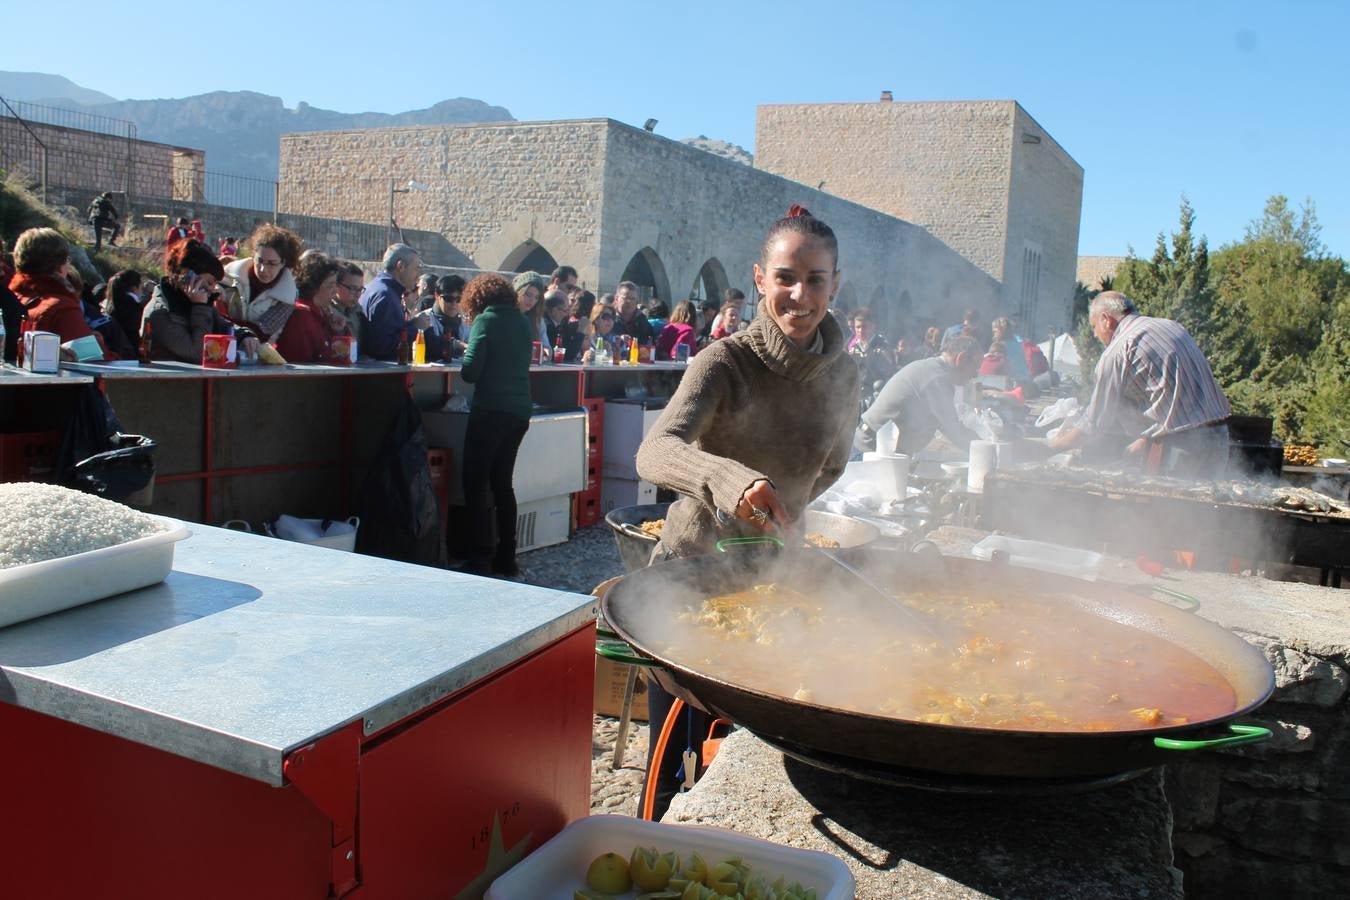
x=760 y=516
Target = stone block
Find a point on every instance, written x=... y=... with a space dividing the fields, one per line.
x=1305 y=828
x=1192 y=790
x=1303 y=678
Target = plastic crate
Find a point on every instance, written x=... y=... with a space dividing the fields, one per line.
x=588 y=507
x=28 y=456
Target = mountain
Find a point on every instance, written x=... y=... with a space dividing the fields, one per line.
x=53 y=90
x=725 y=149
x=239 y=130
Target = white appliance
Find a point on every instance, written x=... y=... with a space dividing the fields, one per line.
x=551 y=462
x=626 y=424
x=543 y=523
x=616 y=493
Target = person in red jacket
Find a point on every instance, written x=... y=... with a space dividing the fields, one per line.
x=50 y=303
x=308 y=334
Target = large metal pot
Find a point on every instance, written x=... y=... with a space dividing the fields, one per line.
x=640 y=602
x=635 y=545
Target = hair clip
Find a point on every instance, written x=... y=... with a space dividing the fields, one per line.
x=796 y=210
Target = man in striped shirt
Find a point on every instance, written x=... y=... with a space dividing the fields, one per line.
x=1155 y=387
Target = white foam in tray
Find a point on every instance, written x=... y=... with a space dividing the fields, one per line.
x=558 y=868
x=39 y=588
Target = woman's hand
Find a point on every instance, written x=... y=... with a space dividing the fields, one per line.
x=759 y=506
x=197 y=292
x=249 y=345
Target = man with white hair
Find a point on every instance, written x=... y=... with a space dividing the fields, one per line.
x=382 y=303
x=1155 y=387
x=921 y=399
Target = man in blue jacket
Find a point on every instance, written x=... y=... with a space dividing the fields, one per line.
x=382 y=303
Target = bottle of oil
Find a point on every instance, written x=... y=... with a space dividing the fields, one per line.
x=419 y=350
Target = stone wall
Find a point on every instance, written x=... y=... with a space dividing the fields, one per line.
x=1045 y=206
x=597 y=194
x=691 y=207
x=98 y=162
x=496 y=192
x=958 y=169
x=1272 y=819
x=1092 y=269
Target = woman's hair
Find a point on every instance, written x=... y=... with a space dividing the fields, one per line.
x=125 y=280
x=685 y=313
x=585 y=303
x=274 y=237
x=193 y=256
x=730 y=295
x=487 y=290
x=40 y=251
x=800 y=221
x=1002 y=325
x=601 y=310
x=311 y=272
x=658 y=310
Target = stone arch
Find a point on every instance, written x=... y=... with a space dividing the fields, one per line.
x=529 y=255
x=711 y=281
x=646 y=270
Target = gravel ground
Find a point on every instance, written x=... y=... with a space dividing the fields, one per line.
x=590 y=558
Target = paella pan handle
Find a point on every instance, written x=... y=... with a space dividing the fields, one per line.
x=1241 y=734
x=609 y=645
x=752 y=539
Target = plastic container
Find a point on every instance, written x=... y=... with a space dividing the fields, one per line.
x=335 y=534
x=558 y=868
x=1044 y=557
x=37 y=589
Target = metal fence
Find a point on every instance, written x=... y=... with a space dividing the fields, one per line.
x=53 y=149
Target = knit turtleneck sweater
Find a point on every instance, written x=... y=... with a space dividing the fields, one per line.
x=753 y=405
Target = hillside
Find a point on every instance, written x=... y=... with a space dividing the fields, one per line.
x=55 y=90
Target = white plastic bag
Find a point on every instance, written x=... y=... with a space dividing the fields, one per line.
x=1063 y=408
x=455 y=403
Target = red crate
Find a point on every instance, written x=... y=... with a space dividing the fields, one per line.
x=588 y=506
x=29 y=456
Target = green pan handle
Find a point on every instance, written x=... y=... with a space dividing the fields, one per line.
x=620 y=652
x=1241 y=734
x=752 y=539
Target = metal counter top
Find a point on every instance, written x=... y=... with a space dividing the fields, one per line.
x=256 y=646
x=167 y=369
x=13 y=376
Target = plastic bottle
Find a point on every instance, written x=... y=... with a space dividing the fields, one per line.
x=633 y=352
x=419 y=350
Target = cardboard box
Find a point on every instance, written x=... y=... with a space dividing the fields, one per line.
x=610 y=678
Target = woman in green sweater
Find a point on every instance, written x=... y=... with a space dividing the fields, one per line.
x=761 y=424
x=497 y=363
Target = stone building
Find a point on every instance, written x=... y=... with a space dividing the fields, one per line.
x=617 y=203
x=982 y=176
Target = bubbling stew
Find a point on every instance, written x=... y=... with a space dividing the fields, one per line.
x=1025 y=662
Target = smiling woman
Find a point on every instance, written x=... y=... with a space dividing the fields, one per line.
x=762 y=422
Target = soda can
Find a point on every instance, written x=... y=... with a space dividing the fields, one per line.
x=682 y=353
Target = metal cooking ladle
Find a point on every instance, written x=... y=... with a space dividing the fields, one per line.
x=941 y=632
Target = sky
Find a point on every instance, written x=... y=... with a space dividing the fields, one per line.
x=1226 y=103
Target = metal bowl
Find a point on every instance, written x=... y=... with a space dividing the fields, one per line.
x=635 y=546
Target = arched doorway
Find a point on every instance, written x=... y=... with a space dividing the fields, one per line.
x=529 y=256
x=647 y=272
x=711 y=281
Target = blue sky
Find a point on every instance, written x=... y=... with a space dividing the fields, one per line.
x=1226 y=103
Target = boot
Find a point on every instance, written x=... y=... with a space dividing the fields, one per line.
x=504 y=562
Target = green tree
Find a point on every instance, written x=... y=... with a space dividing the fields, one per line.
x=1175 y=283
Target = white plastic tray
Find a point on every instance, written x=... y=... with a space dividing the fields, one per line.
x=1039 y=555
x=37 y=589
x=558 y=868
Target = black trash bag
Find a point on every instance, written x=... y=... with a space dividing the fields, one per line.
x=89 y=432
x=400 y=517
x=125 y=473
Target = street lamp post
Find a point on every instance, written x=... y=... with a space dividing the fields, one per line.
x=393 y=189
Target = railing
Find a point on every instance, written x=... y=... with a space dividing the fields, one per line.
x=71 y=118
x=28 y=157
